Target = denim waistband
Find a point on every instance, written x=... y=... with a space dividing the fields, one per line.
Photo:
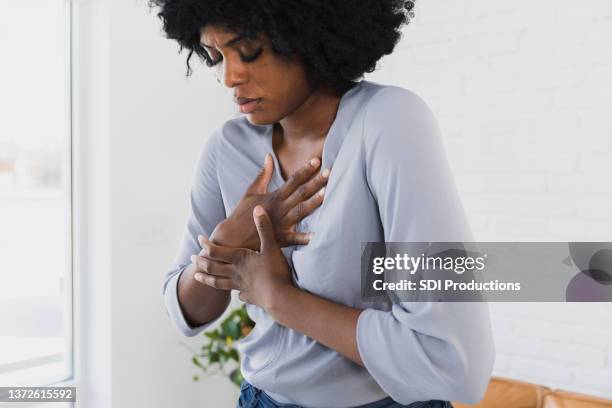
x=249 y=391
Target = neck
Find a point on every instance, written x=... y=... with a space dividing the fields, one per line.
x=312 y=120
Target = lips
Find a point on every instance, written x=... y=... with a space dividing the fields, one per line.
x=247 y=105
x=241 y=101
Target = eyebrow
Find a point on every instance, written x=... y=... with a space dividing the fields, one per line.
x=230 y=42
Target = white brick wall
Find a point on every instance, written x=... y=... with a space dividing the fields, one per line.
x=523 y=93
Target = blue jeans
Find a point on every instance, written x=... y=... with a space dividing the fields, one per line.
x=253 y=397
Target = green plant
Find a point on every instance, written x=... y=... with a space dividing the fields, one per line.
x=219 y=350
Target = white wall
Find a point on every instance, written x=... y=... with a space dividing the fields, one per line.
x=141 y=125
x=523 y=93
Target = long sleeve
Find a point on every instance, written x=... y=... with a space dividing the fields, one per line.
x=206 y=211
x=419 y=350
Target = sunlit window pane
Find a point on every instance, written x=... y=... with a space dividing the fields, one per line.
x=35 y=288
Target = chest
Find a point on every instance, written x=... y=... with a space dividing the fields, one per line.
x=292 y=157
x=329 y=265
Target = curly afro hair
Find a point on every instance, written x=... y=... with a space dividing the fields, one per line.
x=337 y=40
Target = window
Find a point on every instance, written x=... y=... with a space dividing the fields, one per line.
x=35 y=193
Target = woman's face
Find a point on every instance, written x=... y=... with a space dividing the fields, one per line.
x=267 y=87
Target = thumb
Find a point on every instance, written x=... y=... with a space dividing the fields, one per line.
x=265 y=229
x=260 y=184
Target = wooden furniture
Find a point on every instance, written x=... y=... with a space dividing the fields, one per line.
x=508 y=393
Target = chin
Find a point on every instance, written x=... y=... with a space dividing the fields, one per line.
x=260 y=119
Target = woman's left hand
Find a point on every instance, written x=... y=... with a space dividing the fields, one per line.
x=259 y=276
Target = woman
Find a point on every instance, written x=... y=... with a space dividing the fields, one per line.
x=294 y=68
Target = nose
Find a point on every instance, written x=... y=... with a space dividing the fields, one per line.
x=233 y=73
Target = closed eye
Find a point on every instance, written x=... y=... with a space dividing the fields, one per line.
x=244 y=58
x=252 y=57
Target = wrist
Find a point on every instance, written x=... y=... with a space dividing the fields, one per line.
x=218 y=236
x=279 y=298
x=227 y=234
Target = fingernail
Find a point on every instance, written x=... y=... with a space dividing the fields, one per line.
x=193 y=257
x=267 y=158
x=199 y=277
x=258 y=211
x=310 y=236
x=326 y=173
x=314 y=162
x=322 y=191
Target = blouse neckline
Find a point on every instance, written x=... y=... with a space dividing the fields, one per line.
x=333 y=139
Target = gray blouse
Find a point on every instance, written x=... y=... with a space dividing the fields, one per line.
x=390 y=181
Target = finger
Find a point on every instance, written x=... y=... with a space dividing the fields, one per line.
x=289 y=238
x=202 y=238
x=213 y=267
x=265 y=229
x=216 y=282
x=260 y=184
x=299 y=177
x=303 y=209
x=220 y=253
x=307 y=190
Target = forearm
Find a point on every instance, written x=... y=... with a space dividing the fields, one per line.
x=331 y=324
x=200 y=303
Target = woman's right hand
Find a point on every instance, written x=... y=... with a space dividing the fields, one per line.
x=294 y=200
